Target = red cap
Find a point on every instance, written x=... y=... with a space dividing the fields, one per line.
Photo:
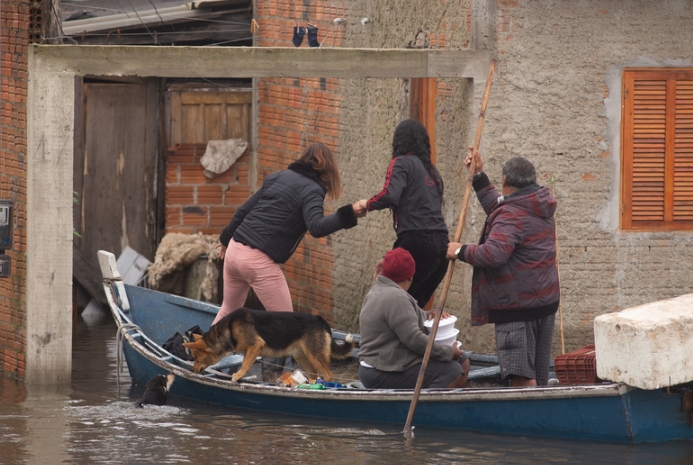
x=398 y=265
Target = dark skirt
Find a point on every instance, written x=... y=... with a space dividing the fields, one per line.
x=429 y=250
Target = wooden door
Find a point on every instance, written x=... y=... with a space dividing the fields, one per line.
x=423 y=93
x=115 y=173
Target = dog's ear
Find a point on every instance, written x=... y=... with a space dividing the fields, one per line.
x=193 y=345
x=197 y=346
x=197 y=337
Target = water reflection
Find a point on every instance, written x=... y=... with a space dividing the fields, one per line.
x=94 y=423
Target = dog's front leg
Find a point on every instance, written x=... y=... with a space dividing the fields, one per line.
x=250 y=356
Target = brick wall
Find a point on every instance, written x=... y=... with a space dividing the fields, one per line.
x=195 y=203
x=294 y=113
x=14 y=38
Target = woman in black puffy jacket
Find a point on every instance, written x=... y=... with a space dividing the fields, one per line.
x=266 y=230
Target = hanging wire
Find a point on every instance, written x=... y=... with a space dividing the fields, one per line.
x=106 y=34
x=157 y=12
x=60 y=24
x=89 y=7
x=124 y=10
x=172 y=16
x=143 y=24
x=328 y=35
x=229 y=41
x=205 y=20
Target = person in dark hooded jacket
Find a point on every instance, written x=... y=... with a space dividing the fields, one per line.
x=515 y=280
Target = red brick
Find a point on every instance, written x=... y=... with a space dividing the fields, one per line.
x=209 y=195
x=242 y=173
x=195 y=217
x=180 y=195
x=192 y=174
x=237 y=195
x=221 y=216
x=172 y=174
x=228 y=176
x=173 y=216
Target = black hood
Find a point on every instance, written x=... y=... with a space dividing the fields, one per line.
x=305 y=169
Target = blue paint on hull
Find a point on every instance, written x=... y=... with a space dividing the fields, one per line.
x=629 y=416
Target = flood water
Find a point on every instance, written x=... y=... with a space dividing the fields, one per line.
x=95 y=422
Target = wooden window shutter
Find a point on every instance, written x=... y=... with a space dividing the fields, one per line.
x=657 y=161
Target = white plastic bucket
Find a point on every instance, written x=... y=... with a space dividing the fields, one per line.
x=446 y=327
x=448 y=340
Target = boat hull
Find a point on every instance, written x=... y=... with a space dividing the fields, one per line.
x=607 y=412
x=610 y=414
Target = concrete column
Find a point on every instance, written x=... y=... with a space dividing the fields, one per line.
x=483 y=34
x=50 y=116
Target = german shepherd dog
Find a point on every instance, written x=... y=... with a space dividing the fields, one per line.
x=306 y=337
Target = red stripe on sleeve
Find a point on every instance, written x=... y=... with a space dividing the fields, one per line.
x=380 y=194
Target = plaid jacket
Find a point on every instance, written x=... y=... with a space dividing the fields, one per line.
x=515 y=276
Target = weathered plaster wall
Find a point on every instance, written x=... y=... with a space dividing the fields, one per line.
x=356 y=117
x=557 y=101
x=371 y=110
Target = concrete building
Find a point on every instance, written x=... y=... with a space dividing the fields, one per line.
x=596 y=94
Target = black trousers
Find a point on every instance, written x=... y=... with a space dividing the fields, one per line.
x=429 y=250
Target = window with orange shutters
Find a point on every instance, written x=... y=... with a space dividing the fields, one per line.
x=657 y=158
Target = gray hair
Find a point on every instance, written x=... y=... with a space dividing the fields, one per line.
x=519 y=172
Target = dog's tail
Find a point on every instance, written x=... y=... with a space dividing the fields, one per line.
x=342 y=351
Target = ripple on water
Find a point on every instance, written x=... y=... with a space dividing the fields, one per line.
x=94 y=425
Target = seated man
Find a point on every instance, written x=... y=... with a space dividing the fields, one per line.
x=394 y=339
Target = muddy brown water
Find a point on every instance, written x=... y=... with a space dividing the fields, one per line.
x=95 y=422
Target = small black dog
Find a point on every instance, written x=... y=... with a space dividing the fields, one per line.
x=156 y=390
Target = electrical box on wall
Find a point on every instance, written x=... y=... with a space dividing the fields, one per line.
x=6 y=230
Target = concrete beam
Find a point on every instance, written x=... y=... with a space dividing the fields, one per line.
x=248 y=62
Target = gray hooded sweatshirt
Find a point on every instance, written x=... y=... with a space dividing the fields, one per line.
x=393 y=335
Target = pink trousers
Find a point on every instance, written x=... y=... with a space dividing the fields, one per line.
x=245 y=267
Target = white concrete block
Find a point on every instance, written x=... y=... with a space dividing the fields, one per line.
x=649 y=346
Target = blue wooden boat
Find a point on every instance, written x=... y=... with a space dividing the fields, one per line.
x=604 y=412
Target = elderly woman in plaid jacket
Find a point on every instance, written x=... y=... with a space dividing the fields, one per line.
x=515 y=280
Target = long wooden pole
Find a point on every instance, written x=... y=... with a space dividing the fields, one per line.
x=558 y=268
x=451 y=265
